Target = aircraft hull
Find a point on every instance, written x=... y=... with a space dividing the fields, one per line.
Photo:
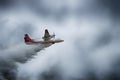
x=45 y=42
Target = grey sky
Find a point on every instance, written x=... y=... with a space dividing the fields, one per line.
x=90 y=29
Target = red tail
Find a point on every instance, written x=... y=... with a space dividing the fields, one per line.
x=46 y=33
x=27 y=38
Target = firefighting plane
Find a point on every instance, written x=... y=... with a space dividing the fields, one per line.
x=47 y=39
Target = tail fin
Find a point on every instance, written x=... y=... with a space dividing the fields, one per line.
x=46 y=36
x=46 y=33
x=27 y=38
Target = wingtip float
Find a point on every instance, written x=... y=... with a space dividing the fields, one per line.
x=47 y=39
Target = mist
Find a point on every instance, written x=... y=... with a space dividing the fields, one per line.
x=89 y=28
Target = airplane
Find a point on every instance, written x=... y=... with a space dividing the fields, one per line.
x=47 y=39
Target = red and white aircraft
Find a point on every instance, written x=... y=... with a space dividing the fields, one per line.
x=47 y=39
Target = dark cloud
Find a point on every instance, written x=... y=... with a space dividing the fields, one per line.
x=42 y=8
x=5 y=4
x=7 y=70
x=113 y=6
x=52 y=74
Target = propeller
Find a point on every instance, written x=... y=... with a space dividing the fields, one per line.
x=54 y=35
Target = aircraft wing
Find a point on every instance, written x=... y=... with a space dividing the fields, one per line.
x=45 y=42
